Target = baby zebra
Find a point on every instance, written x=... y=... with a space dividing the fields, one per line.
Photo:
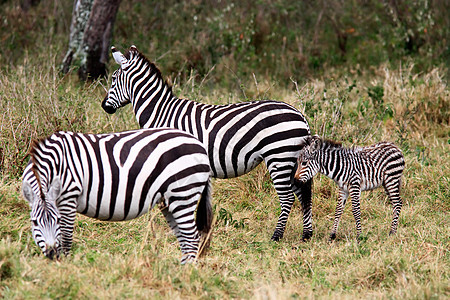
x=116 y=177
x=354 y=170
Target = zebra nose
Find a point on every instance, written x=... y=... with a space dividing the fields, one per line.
x=109 y=109
x=51 y=252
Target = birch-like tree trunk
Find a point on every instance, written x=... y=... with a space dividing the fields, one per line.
x=90 y=37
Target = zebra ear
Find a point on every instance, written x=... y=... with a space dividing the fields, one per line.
x=305 y=141
x=118 y=57
x=27 y=191
x=55 y=190
x=133 y=47
x=316 y=142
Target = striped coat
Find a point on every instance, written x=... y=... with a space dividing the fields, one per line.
x=354 y=170
x=237 y=136
x=117 y=177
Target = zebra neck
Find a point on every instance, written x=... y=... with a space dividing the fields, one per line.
x=331 y=161
x=150 y=102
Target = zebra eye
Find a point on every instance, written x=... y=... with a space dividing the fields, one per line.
x=304 y=163
x=35 y=223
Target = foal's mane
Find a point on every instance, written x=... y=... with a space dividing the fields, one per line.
x=331 y=144
x=153 y=67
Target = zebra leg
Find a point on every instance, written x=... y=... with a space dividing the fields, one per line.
x=286 y=202
x=343 y=195
x=282 y=180
x=355 y=193
x=393 y=191
x=170 y=220
x=67 y=221
x=303 y=191
x=180 y=215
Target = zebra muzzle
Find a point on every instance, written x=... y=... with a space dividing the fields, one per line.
x=107 y=108
x=298 y=176
x=52 y=253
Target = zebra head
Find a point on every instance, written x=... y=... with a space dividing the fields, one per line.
x=119 y=93
x=45 y=217
x=307 y=162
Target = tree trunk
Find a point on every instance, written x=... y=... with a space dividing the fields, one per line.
x=90 y=37
x=80 y=16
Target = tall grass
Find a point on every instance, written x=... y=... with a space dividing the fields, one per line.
x=139 y=259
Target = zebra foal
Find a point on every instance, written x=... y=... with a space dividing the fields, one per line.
x=117 y=177
x=237 y=137
x=354 y=170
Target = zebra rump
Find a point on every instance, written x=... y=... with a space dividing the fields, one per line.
x=116 y=177
x=237 y=136
x=354 y=170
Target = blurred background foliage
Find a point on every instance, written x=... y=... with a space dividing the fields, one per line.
x=349 y=66
x=275 y=39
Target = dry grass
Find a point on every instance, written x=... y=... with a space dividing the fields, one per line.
x=140 y=259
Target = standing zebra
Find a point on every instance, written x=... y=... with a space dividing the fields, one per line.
x=354 y=170
x=237 y=136
x=116 y=177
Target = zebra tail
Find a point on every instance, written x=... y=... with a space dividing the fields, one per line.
x=204 y=218
x=204 y=210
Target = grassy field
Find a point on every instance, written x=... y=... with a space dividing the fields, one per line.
x=140 y=258
x=360 y=71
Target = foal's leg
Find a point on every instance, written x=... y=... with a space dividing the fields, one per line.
x=343 y=195
x=355 y=194
x=392 y=189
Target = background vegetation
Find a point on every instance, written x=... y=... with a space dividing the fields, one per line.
x=361 y=71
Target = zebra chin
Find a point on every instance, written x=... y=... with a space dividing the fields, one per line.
x=107 y=108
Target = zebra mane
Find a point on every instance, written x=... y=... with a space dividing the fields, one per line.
x=34 y=145
x=331 y=144
x=153 y=67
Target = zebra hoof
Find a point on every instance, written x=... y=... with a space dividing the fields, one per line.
x=188 y=259
x=391 y=232
x=276 y=237
x=307 y=235
x=332 y=236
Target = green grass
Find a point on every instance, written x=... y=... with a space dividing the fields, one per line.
x=223 y=53
x=140 y=258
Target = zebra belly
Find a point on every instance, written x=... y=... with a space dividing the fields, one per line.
x=367 y=184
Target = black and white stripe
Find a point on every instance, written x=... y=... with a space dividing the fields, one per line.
x=237 y=136
x=116 y=177
x=354 y=170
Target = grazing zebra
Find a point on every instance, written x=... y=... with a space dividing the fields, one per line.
x=116 y=177
x=354 y=170
x=237 y=136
